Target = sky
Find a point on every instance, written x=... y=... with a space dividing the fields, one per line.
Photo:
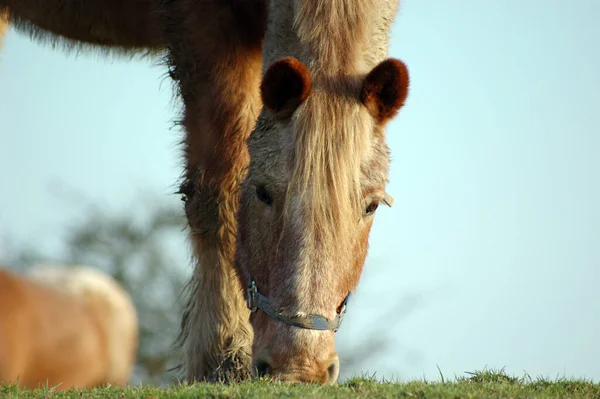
x=490 y=256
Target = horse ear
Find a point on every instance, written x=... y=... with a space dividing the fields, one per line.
x=384 y=90
x=285 y=86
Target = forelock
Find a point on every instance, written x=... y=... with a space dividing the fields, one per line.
x=332 y=139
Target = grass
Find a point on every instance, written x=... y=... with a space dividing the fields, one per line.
x=481 y=384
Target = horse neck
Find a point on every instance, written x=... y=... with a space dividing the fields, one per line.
x=349 y=38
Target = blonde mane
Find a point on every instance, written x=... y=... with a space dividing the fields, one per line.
x=332 y=135
x=333 y=129
x=336 y=33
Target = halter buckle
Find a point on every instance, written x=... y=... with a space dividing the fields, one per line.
x=342 y=312
x=252 y=305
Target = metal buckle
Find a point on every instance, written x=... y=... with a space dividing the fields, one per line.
x=340 y=315
x=343 y=307
x=252 y=297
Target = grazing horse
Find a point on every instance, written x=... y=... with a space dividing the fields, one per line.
x=65 y=327
x=285 y=108
x=313 y=172
x=318 y=172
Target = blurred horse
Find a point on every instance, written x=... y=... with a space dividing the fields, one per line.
x=65 y=327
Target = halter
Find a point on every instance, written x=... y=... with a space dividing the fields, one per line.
x=256 y=301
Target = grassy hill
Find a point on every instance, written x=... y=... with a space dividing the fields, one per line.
x=484 y=384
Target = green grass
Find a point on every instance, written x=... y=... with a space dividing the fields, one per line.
x=482 y=384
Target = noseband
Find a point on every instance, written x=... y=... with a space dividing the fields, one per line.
x=256 y=301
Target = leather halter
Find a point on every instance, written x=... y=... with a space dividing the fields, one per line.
x=256 y=301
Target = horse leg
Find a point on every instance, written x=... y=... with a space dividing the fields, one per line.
x=215 y=56
x=130 y=25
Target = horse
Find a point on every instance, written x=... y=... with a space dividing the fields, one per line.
x=65 y=327
x=285 y=107
x=312 y=171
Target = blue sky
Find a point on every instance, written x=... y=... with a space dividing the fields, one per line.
x=495 y=231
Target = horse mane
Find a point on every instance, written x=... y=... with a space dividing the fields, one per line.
x=331 y=137
x=332 y=130
x=336 y=32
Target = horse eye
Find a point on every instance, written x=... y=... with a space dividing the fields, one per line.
x=263 y=195
x=372 y=208
x=184 y=197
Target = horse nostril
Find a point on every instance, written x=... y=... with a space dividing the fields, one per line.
x=263 y=368
x=333 y=371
